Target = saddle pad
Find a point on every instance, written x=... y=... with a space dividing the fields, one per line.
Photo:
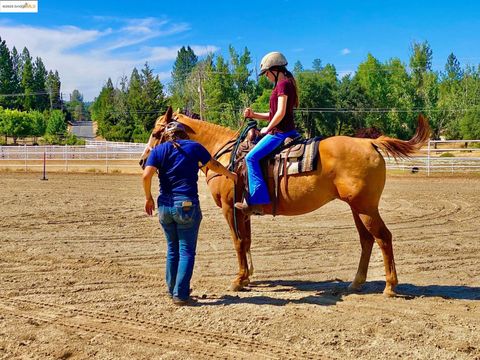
x=307 y=162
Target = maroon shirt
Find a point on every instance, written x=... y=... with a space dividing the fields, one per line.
x=284 y=87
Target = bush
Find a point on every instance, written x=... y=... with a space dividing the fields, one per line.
x=447 y=154
x=50 y=140
x=73 y=140
x=56 y=124
x=70 y=139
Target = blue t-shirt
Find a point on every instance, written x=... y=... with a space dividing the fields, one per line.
x=178 y=169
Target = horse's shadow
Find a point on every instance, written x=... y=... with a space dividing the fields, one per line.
x=330 y=292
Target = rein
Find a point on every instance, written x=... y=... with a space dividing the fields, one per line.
x=232 y=146
x=229 y=146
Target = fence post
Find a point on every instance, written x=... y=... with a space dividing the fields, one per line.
x=44 y=166
x=106 y=156
x=65 y=157
x=26 y=156
x=428 y=158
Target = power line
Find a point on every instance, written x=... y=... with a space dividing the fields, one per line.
x=381 y=111
x=308 y=110
x=316 y=110
x=31 y=94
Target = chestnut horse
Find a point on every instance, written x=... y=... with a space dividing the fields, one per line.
x=349 y=169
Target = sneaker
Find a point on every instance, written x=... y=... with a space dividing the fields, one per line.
x=179 y=302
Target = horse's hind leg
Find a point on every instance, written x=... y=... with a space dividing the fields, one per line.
x=366 y=241
x=375 y=226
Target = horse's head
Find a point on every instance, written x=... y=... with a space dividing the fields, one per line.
x=157 y=133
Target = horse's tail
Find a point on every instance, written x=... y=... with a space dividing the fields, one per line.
x=401 y=148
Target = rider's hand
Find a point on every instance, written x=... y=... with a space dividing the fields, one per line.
x=264 y=131
x=248 y=113
x=149 y=206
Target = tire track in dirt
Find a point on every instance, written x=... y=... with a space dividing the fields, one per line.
x=100 y=322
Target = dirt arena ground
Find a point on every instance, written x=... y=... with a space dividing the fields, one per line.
x=82 y=268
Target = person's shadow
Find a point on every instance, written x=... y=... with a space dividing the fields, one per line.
x=330 y=292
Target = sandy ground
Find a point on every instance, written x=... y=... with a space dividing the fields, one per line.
x=82 y=268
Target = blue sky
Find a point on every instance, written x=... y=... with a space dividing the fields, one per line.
x=89 y=41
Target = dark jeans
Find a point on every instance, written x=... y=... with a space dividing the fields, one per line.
x=181 y=225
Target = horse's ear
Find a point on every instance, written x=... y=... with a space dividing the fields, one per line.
x=168 y=115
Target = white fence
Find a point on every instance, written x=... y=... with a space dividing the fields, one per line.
x=93 y=156
x=114 y=145
x=463 y=158
x=116 y=156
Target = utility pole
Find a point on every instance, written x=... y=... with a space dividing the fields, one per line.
x=50 y=96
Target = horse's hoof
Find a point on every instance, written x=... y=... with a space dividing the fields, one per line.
x=353 y=287
x=236 y=286
x=389 y=293
x=245 y=282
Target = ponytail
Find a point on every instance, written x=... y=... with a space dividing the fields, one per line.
x=173 y=137
x=290 y=76
x=164 y=136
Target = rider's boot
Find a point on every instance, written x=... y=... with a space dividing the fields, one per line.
x=249 y=209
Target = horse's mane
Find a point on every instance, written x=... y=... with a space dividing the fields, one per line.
x=219 y=128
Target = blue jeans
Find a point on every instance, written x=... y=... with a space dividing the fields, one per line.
x=257 y=188
x=180 y=225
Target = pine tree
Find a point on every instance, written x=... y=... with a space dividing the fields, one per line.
x=28 y=82
x=17 y=69
x=7 y=77
x=75 y=106
x=424 y=80
x=244 y=87
x=317 y=65
x=52 y=87
x=297 y=68
x=453 y=70
x=153 y=100
x=135 y=100
x=451 y=96
x=39 y=79
x=102 y=109
x=17 y=65
x=124 y=127
x=220 y=94
x=182 y=68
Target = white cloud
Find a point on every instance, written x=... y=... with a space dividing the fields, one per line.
x=86 y=58
x=342 y=73
x=204 y=50
x=345 y=51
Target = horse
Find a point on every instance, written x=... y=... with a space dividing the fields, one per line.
x=349 y=169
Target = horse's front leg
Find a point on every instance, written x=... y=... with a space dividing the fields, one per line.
x=241 y=242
